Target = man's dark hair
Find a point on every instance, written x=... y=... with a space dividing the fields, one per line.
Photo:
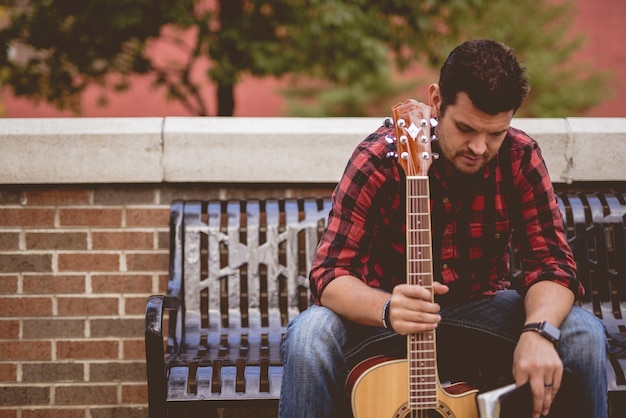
x=488 y=72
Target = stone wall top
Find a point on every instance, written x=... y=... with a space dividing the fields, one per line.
x=255 y=150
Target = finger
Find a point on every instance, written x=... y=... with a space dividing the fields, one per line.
x=536 y=390
x=552 y=385
x=422 y=316
x=404 y=328
x=421 y=292
x=557 y=379
x=412 y=292
x=440 y=288
x=538 y=393
x=548 y=397
x=415 y=302
x=416 y=307
x=419 y=322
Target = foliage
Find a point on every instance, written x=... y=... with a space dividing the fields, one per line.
x=343 y=50
x=58 y=47
x=540 y=33
x=373 y=95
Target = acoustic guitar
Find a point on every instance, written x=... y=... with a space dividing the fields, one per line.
x=383 y=387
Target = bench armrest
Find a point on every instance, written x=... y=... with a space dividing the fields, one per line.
x=155 y=353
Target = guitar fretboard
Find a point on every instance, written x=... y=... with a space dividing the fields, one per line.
x=421 y=346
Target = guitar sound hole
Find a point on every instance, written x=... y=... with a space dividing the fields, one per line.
x=442 y=411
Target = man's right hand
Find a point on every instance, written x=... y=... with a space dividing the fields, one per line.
x=412 y=308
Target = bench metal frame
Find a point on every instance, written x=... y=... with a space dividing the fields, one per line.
x=238 y=273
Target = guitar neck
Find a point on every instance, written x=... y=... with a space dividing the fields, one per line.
x=421 y=346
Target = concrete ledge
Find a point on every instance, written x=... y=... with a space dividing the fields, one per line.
x=598 y=148
x=81 y=150
x=263 y=150
x=255 y=150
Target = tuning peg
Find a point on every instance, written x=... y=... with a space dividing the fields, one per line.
x=433 y=122
x=434 y=138
x=388 y=122
x=435 y=156
x=392 y=154
x=390 y=139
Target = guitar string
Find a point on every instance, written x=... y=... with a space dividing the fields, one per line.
x=423 y=345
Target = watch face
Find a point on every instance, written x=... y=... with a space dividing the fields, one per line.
x=551 y=331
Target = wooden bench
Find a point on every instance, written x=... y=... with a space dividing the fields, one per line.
x=238 y=273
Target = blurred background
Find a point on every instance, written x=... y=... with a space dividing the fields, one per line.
x=135 y=58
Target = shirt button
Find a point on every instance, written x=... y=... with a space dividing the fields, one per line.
x=497 y=236
x=444 y=266
x=445 y=200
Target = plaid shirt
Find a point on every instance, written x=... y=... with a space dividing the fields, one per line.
x=471 y=230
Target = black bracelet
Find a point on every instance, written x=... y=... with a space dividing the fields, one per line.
x=385 y=316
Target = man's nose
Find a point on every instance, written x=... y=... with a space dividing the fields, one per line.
x=478 y=145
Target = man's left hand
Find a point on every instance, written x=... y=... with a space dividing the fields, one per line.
x=536 y=361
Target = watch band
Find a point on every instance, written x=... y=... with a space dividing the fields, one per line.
x=545 y=329
x=385 y=316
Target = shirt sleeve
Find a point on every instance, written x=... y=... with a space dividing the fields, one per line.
x=345 y=245
x=546 y=254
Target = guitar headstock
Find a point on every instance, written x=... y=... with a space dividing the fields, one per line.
x=412 y=123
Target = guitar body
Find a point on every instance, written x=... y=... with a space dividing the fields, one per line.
x=379 y=387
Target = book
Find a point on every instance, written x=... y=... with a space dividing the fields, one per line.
x=512 y=401
x=508 y=401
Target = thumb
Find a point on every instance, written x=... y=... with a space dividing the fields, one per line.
x=440 y=288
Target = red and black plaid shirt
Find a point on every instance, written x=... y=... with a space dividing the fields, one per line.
x=471 y=230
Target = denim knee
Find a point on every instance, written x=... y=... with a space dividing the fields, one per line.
x=316 y=332
x=315 y=368
x=583 y=348
x=582 y=335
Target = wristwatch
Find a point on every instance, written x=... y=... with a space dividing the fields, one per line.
x=547 y=330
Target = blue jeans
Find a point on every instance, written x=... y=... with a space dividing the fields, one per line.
x=321 y=347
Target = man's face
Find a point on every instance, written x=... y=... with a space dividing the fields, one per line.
x=468 y=137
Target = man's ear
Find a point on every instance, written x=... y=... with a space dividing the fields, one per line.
x=434 y=100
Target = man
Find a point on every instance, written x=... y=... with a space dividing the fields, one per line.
x=489 y=178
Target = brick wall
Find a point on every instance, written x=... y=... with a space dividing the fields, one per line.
x=76 y=266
